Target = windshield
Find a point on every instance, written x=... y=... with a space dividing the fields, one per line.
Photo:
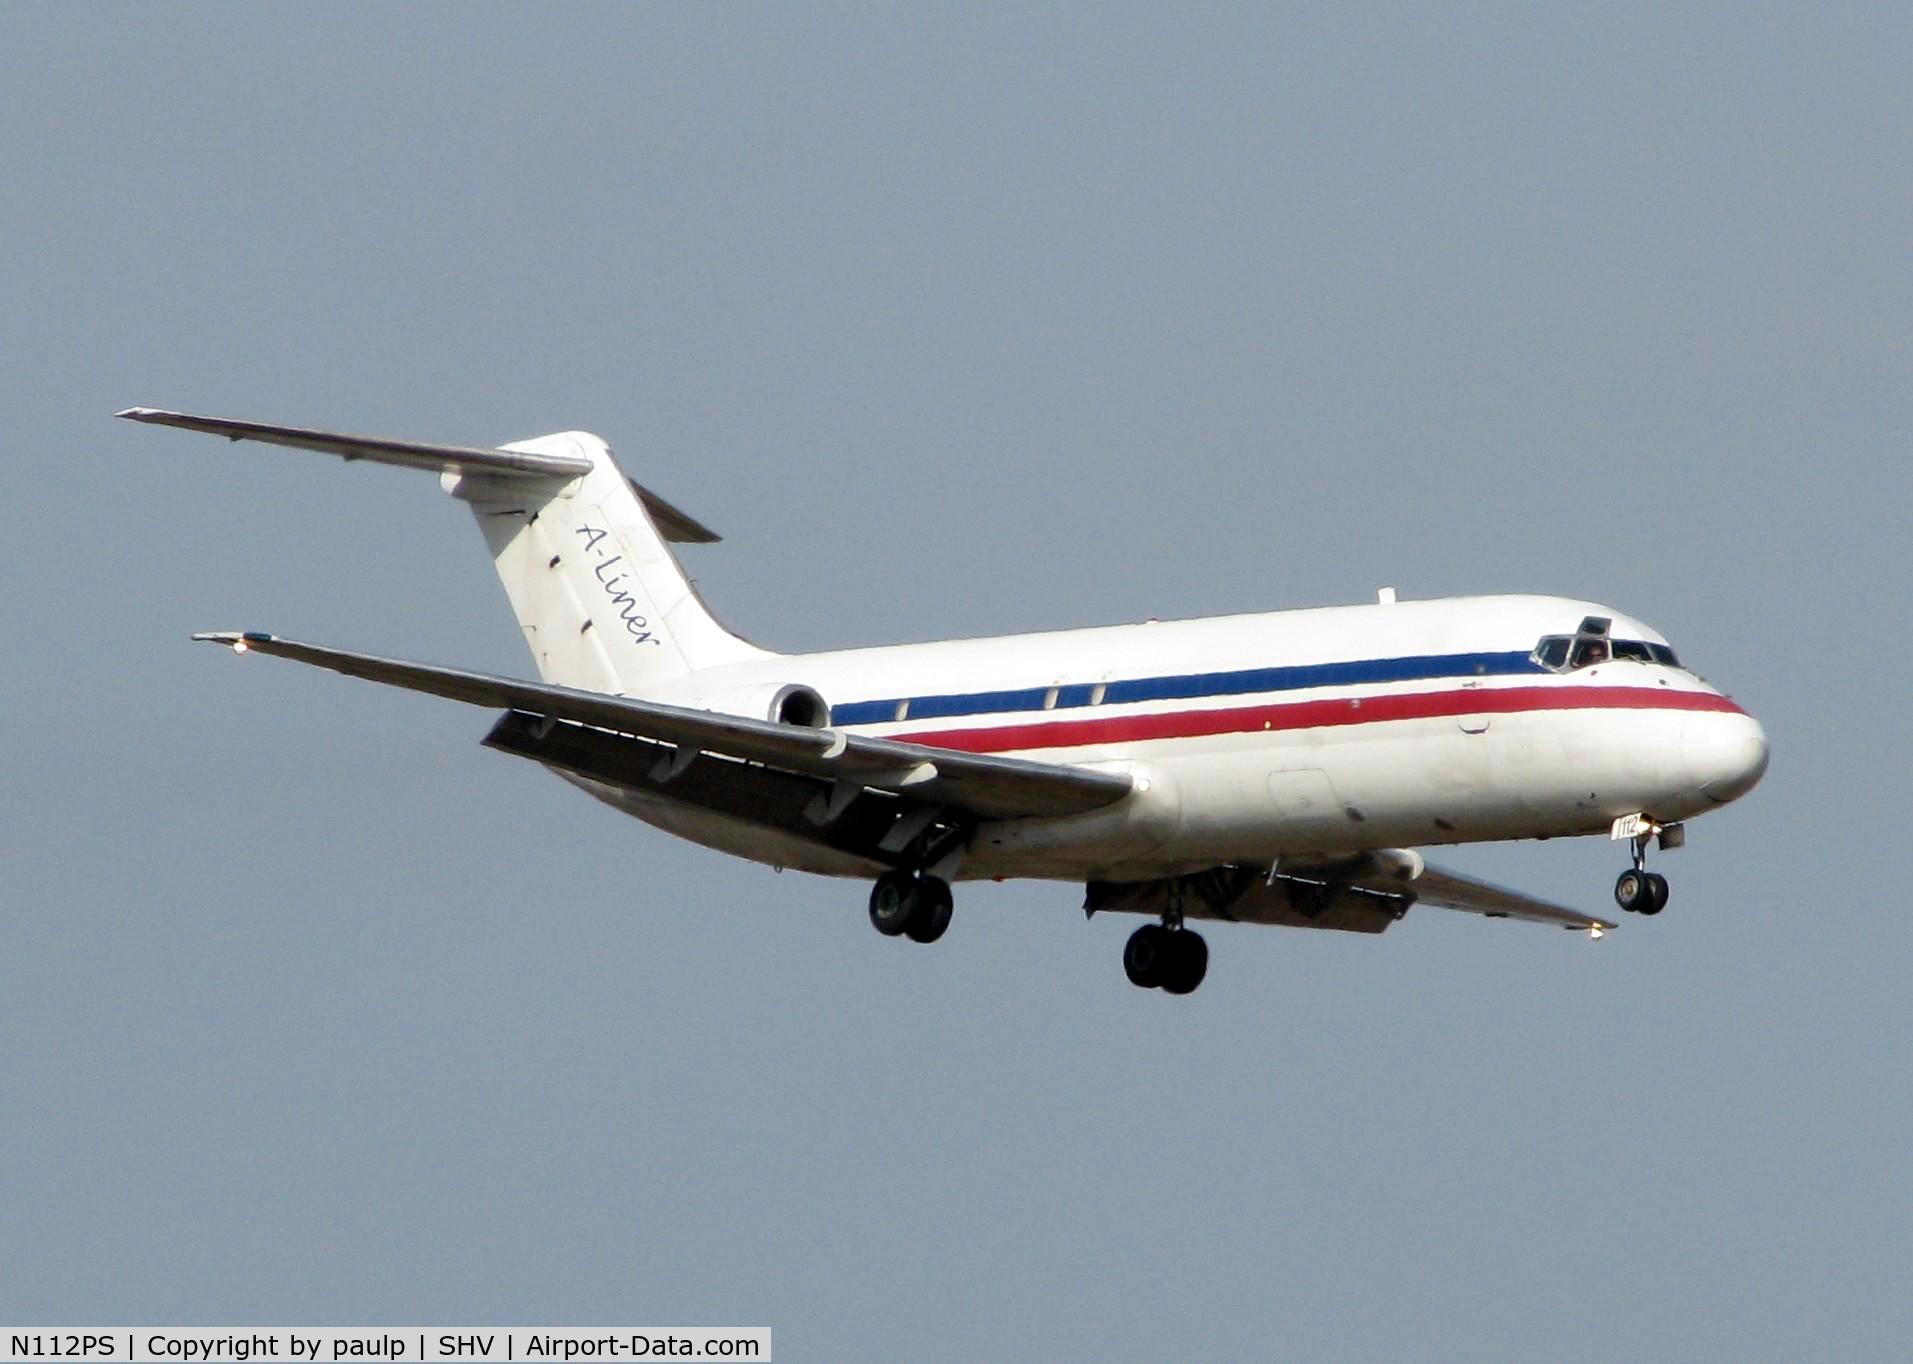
x=1591 y=645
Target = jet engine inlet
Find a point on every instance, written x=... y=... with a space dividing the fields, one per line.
x=801 y=706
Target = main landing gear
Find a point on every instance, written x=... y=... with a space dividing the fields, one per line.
x=1172 y=959
x=1640 y=891
x=917 y=907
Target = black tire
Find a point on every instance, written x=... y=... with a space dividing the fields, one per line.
x=1188 y=962
x=934 y=907
x=1630 y=891
x=1656 y=897
x=1145 y=956
x=893 y=902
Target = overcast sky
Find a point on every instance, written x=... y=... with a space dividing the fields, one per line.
x=313 y=1011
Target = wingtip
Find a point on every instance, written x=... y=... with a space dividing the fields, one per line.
x=236 y=640
x=159 y=416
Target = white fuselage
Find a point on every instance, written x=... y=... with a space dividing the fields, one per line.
x=1258 y=737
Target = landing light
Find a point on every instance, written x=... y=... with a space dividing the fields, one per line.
x=239 y=646
x=1595 y=931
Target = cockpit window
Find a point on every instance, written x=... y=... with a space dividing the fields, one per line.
x=1588 y=652
x=1591 y=645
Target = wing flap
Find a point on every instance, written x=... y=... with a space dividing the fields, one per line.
x=984 y=786
x=1248 y=895
x=769 y=798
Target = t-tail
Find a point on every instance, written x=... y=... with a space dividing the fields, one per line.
x=581 y=550
x=603 y=602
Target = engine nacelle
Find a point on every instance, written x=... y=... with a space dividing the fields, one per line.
x=793 y=703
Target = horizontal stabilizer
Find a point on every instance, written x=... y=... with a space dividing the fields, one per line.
x=981 y=785
x=380 y=449
x=672 y=524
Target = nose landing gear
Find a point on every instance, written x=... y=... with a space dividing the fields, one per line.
x=1641 y=892
x=1638 y=890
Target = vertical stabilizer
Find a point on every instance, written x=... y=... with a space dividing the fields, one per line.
x=603 y=602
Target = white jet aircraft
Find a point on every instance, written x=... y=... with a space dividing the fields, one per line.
x=1271 y=769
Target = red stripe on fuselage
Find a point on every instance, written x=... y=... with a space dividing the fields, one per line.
x=1340 y=710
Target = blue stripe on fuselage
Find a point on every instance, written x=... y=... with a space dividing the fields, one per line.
x=1242 y=682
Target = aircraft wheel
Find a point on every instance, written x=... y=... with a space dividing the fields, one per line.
x=1188 y=962
x=1630 y=891
x=933 y=910
x=893 y=902
x=1145 y=956
x=1656 y=894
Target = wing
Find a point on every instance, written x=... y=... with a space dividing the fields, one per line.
x=672 y=523
x=1364 y=893
x=835 y=765
x=1449 y=890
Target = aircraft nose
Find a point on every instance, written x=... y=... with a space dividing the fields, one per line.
x=1724 y=754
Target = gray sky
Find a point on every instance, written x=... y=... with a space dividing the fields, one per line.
x=313 y=1011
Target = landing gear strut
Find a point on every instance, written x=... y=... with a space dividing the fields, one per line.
x=1640 y=891
x=918 y=907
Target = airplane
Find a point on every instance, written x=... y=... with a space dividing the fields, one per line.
x=1278 y=768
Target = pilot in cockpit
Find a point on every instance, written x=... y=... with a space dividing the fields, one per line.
x=1590 y=645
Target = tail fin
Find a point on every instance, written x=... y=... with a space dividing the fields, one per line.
x=602 y=600
x=581 y=549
